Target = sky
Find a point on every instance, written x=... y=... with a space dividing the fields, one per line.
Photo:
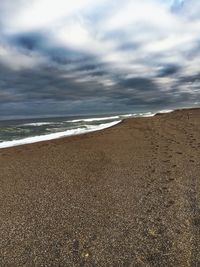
x=63 y=57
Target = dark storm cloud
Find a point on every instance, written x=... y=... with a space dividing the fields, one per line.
x=29 y=40
x=48 y=89
x=141 y=84
x=169 y=70
x=191 y=78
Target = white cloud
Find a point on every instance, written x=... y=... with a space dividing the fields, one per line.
x=161 y=36
x=17 y=60
x=138 y=13
x=37 y=14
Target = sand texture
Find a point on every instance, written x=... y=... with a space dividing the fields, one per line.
x=124 y=196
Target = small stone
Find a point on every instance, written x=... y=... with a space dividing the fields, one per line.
x=152 y=232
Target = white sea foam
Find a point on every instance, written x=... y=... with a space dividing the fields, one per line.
x=165 y=111
x=146 y=114
x=128 y=115
x=29 y=140
x=36 y=124
x=96 y=119
x=106 y=118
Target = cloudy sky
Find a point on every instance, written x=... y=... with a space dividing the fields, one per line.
x=61 y=57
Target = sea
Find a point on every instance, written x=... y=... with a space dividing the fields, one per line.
x=26 y=131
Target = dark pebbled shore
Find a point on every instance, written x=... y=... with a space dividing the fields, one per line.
x=125 y=196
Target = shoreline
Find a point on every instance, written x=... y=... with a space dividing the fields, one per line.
x=74 y=132
x=128 y=195
x=56 y=135
x=67 y=134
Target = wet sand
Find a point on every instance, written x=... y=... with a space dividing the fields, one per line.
x=124 y=196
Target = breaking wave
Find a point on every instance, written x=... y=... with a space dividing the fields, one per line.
x=77 y=131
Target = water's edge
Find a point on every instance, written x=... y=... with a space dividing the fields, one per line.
x=40 y=138
x=80 y=126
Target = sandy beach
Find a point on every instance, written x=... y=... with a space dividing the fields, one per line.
x=124 y=196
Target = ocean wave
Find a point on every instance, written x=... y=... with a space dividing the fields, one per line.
x=123 y=116
x=96 y=119
x=165 y=111
x=77 y=131
x=146 y=114
x=143 y=114
x=37 y=124
x=128 y=115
